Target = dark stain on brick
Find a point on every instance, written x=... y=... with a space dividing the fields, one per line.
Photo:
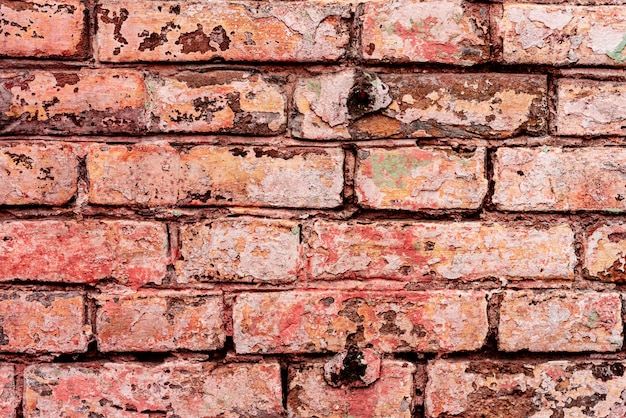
x=219 y=36
x=63 y=79
x=117 y=21
x=41 y=388
x=238 y=152
x=389 y=326
x=175 y=9
x=351 y=310
x=607 y=371
x=22 y=159
x=4 y=339
x=327 y=301
x=153 y=40
x=617 y=236
x=352 y=371
x=196 y=41
x=45 y=299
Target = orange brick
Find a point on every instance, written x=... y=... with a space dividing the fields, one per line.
x=320 y=321
x=37 y=173
x=605 y=253
x=9 y=399
x=43 y=29
x=200 y=31
x=160 y=321
x=442 y=31
x=43 y=322
x=65 y=102
x=159 y=175
x=420 y=178
x=132 y=253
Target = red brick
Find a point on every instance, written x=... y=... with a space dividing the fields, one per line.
x=320 y=321
x=132 y=253
x=561 y=34
x=200 y=31
x=66 y=102
x=442 y=31
x=240 y=250
x=124 y=390
x=158 y=174
x=217 y=101
x=532 y=179
x=525 y=389
x=420 y=178
x=43 y=29
x=37 y=173
x=160 y=321
x=43 y=322
x=590 y=107
x=354 y=104
x=427 y=251
x=390 y=396
x=560 y=321
x=8 y=394
x=605 y=253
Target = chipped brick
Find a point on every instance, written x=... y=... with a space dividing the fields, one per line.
x=605 y=253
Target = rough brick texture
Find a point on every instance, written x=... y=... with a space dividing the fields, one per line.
x=8 y=392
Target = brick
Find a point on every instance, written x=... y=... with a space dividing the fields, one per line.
x=391 y=396
x=200 y=31
x=427 y=251
x=132 y=253
x=605 y=253
x=560 y=321
x=9 y=399
x=216 y=101
x=43 y=322
x=442 y=31
x=353 y=104
x=320 y=321
x=590 y=108
x=183 y=389
x=160 y=321
x=561 y=34
x=30 y=28
x=72 y=102
x=240 y=250
x=517 y=390
x=160 y=175
x=420 y=178
x=532 y=179
x=38 y=173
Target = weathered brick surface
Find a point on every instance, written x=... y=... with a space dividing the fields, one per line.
x=516 y=389
x=605 y=255
x=132 y=253
x=37 y=173
x=158 y=174
x=439 y=251
x=233 y=31
x=590 y=107
x=216 y=101
x=361 y=105
x=546 y=178
x=240 y=250
x=420 y=178
x=319 y=321
x=64 y=102
x=183 y=389
x=392 y=395
x=8 y=393
x=442 y=31
x=32 y=28
x=561 y=34
x=560 y=321
x=43 y=322
x=160 y=321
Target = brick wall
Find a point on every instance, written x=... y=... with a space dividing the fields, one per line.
x=393 y=208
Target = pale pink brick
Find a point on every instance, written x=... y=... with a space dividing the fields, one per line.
x=605 y=253
x=9 y=399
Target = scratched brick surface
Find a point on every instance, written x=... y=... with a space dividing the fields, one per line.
x=420 y=178
x=8 y=392
x=362 y=105
x=30 y=28
x=441 y=31
x=129 y=252
x=184 y=389
x=605 y=252
x=560 y=321
x=233 y=31
x=391 y=395
x=319 y=321
x=38 y=173
x=561 y=34
x=547 y=178
x=43 y=322
x=240 y=250
x=160 y=321
x=161 y=175
x=525 y=389
x=72 y=102
x=426 y=251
